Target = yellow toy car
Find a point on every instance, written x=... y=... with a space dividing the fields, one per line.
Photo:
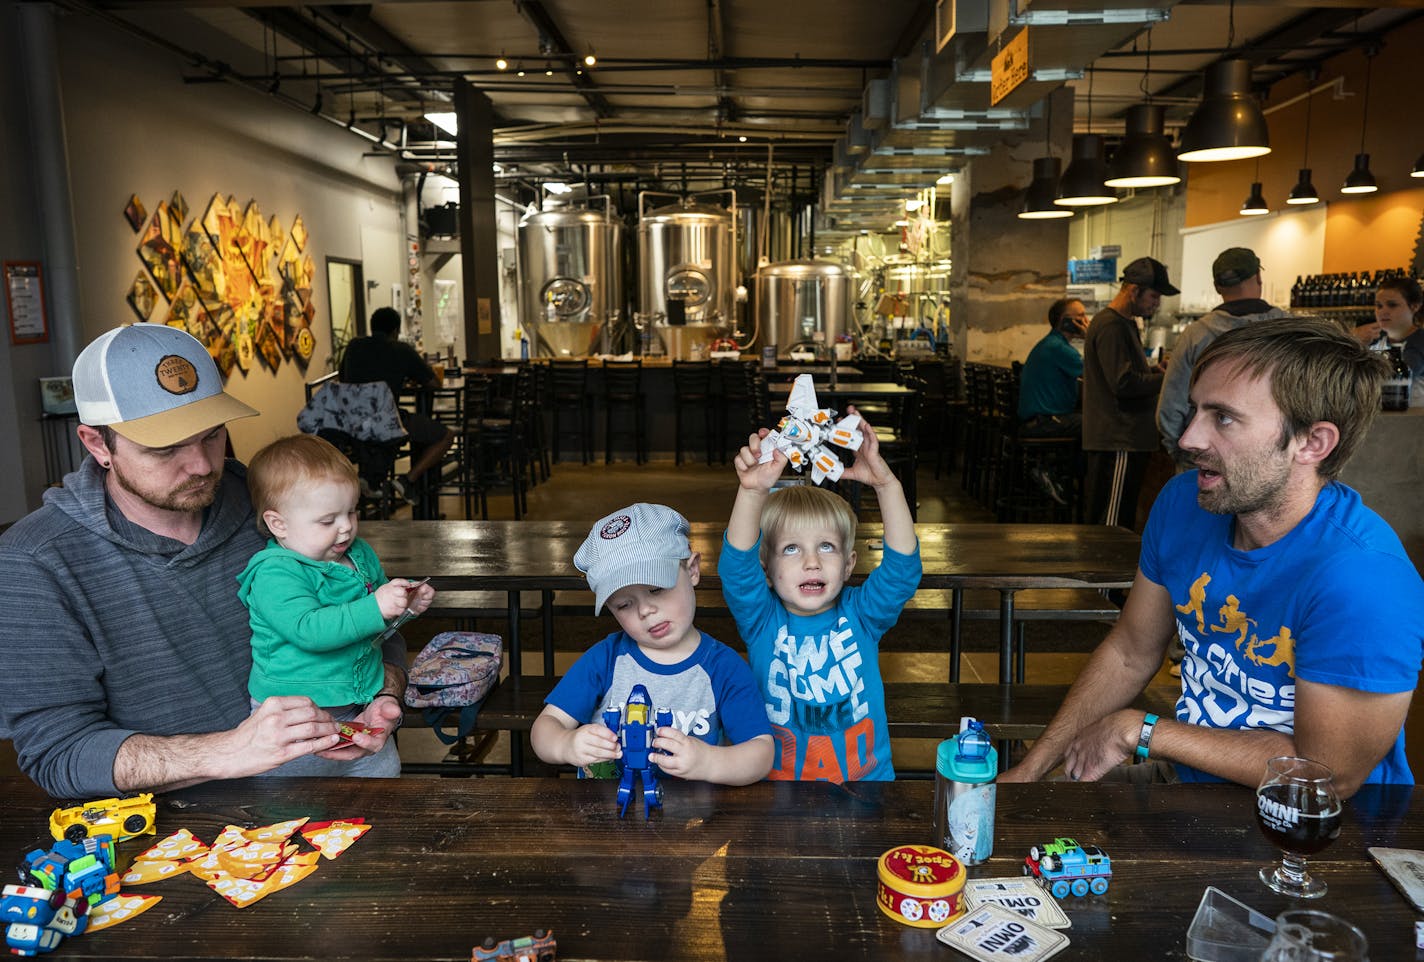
x=122 y=818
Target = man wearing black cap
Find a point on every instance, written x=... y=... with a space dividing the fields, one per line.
x=1236 y=272
x=1120 y=396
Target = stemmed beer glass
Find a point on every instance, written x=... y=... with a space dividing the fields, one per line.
x=1299 y=813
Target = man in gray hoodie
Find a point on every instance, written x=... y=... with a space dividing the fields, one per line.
x=1236 y=272
x=124 y=651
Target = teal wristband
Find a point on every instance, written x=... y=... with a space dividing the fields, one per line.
x=1144 y=737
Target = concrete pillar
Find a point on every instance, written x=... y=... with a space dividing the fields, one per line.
x=1005 y=272
x=479 y=245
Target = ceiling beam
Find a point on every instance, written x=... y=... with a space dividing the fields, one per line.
x=570 y=62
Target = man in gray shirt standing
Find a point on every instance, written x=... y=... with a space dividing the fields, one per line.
x=1236 y=273
x=1120 y=395
x=124 y=651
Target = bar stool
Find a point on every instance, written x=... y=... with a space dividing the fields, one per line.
x=569 y=396
x=739 y=412
x=692 y=387
x=623 y=389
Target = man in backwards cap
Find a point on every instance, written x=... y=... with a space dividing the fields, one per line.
x=124 y=651
x=1120 y=396
x=1236 y=273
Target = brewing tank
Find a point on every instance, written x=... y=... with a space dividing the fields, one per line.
x=687 y=273
x=570 y=278
x=804 y=302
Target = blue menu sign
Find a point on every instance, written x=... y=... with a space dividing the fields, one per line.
x=1101 y=270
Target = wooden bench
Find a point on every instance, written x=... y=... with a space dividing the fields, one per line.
x=913 y=709
x=979 y=604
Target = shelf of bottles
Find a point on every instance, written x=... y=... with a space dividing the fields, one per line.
x=1344 y=295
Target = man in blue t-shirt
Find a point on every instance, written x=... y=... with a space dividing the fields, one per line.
x=1301 y=614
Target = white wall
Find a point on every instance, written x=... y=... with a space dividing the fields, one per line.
x=134 y=126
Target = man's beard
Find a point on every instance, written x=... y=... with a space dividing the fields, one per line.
x=195 y=494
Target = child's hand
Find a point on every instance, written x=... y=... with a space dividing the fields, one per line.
x=590 y=744
x=869 y=467
x=419 y=596
x=685 y=756
x=752 y=475
x=394 y=597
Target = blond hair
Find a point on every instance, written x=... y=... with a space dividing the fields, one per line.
x=804 y=504
x=281 y=466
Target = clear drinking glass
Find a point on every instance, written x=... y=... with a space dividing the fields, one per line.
x=1298 y=812
x=1309 y=935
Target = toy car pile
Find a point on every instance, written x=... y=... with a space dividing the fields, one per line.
x=66 y=888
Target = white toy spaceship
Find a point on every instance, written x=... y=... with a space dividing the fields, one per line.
x=806 y=430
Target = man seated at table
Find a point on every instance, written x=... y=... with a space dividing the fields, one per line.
x=124 y=650
x=1302 y=617
x=1051 y=382
x=383 y=356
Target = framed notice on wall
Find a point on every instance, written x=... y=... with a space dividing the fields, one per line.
x=24 y=300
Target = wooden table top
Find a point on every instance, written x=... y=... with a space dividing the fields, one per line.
x=769 y=871
x=515 y=555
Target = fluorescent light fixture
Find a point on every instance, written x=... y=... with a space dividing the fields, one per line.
x=445 y=121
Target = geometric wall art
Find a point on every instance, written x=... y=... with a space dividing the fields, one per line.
x=231 y=276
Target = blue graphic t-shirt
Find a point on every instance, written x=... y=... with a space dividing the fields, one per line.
x=710 y=693
x=820 y=675
x=1308 y=606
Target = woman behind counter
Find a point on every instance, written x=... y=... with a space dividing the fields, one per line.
x=1397 y=304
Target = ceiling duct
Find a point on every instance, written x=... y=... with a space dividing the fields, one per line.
x=875 y=104
x=939 y=112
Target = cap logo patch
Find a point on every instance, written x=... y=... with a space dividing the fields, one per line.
x=176 y=374
x=615 y=527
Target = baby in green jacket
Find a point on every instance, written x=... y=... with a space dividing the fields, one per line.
x=318 y=602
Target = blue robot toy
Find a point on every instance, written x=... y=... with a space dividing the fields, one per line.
x=636 y=725
x=37 y=919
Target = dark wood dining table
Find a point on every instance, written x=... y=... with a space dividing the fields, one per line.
x=516 y=556
x=775 y=870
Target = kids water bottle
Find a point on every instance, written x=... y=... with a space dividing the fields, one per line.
x=965 y=793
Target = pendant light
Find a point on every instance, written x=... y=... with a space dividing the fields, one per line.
x=1304 y=191
x=1255 y=205
x=1418 y=170
x=1360 y=180
x=1145 y=157
x=1043 y=189
x=1083 y=183
x=1228 y=124
x=1039 y=203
